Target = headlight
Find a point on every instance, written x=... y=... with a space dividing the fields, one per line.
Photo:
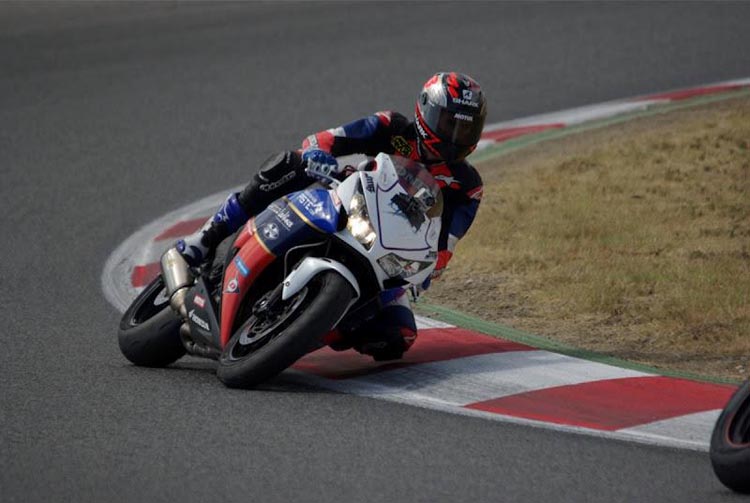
x=358 y=222
x=395 y=266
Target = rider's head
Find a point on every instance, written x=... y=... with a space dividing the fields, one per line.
x=449 y=117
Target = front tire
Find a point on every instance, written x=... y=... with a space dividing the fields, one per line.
x=730 y=442
x=149 y=333
x=254 y=356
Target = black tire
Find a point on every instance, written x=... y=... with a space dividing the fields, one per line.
x=311 y=314
x=149 y=333
x=730 y=442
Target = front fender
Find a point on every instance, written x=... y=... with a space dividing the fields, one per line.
x=308 y=268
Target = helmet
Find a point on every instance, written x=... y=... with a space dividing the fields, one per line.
x=449 y=117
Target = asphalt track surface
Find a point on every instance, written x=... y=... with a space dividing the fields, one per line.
x=111 y=115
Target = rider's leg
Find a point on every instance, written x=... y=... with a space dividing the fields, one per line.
x=278 y=175
x=200 y=245
x=387 y=337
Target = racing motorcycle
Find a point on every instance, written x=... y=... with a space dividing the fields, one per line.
x=730 y=442
x=312 y=261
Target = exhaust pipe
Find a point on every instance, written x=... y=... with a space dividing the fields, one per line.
x=177 y=279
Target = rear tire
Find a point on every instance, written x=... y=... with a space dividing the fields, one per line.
x=149 y=333
x=730 y=442
x=311 y=314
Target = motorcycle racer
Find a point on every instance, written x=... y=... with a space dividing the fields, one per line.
x=448 y=121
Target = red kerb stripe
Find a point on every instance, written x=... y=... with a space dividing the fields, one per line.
x=501 y=135
x=612 y=404
x=143 y=274
x=691 y=93
x=181 y=229
x=432 y=344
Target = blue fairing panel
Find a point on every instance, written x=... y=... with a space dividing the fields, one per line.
x=316 y=208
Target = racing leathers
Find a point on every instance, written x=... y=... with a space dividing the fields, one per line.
x=394 y=329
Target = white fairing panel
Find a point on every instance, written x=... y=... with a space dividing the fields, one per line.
x=395 y=234
x=394 y=230
x=308 y=268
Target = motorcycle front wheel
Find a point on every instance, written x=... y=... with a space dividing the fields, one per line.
x=264 y=346
x=730 y=442
x=149 y=333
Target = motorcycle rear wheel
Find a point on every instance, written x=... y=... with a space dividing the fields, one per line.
x=304 y=319
x=149 y=333
x=730 y=442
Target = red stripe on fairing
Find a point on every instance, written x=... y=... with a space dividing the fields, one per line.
x=256 y=258
x=181 y=229
x=691 y=93
x=500 y=135
x=432 y=345
x=612 y=404
x=141 y=275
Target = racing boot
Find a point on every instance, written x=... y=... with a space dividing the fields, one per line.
x=199 y=246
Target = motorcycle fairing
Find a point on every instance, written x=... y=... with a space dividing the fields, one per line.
x=202 y=314
x=295 y=219
x=251 y=260
x=316 y=208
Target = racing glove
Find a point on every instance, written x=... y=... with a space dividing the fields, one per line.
x=444 y=257
x=320 y=164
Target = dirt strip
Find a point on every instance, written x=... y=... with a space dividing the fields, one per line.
x=632 y=241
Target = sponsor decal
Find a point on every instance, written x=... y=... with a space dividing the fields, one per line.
x=312 y=206
x=467 y=94
x=270 y=231
x=421 y=130
x=267 y=187
x=401 y=145
x=233 y=286
x=283 y=215
x=199 y=301
x=198 y=320
x=369 y=183
x=447 y=181
x=241 y=266
x=409 y=208
x=464 y=117
x=461 y=101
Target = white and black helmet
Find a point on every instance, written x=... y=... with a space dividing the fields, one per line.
x=449 y=116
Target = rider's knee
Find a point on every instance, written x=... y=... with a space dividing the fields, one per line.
x=279 y=174
x=409 y=335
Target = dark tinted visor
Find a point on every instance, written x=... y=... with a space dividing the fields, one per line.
x=454 y=127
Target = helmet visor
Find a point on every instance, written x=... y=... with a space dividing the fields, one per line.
x=462 y=130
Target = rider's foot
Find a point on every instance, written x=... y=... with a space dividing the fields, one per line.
x=192 y=250
x=198 y=247
x=383 y=346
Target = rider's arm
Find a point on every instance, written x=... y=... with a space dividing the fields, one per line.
x=458 y=214
x=369 y=135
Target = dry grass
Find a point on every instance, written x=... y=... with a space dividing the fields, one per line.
x=632 y=240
